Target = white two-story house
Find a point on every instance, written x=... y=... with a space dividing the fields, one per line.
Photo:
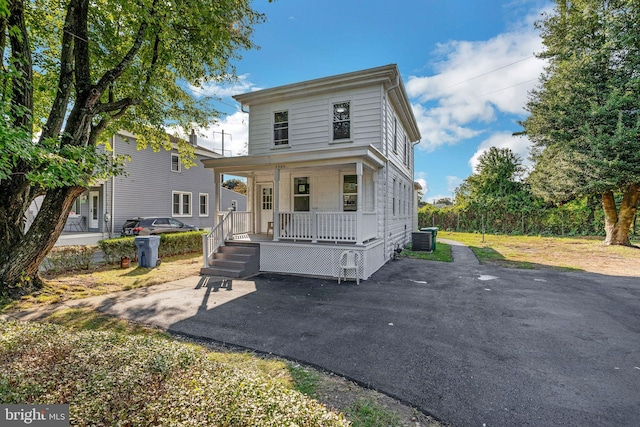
x=329 y=168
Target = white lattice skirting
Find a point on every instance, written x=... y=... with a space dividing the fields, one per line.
x=318 y=260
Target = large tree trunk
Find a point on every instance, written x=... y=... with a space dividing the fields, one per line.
x=618 y=222
x=21 y=254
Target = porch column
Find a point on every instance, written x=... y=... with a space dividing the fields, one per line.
x=250 y=202
x=276 y=205
x=217 y=195
x=359 y=217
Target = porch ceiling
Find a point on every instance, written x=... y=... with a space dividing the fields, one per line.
x=368 y=155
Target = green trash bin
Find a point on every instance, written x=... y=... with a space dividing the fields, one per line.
x=434 y=233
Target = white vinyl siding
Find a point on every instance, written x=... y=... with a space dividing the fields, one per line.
x=310 y=125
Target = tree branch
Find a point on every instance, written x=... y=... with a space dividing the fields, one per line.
x=110 y=76
x=117 y=105
x=59 y=107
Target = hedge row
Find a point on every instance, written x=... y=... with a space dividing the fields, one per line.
x=66 y=258
x=170 y=244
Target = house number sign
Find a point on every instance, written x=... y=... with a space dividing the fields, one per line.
x=280 y=166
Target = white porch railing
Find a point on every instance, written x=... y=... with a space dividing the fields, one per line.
x=230 y=223
x=212 y=241
x=327 y=226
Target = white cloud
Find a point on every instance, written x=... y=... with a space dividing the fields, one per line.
x=225 y=90
x=420 y=179
x=453 y=182
x=520 y=145
x=475 y=82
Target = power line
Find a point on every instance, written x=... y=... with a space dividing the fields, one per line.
x=489 y=72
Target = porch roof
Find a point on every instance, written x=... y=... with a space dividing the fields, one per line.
x=281 y=159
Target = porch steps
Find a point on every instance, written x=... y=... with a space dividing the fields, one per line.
x=234 y=259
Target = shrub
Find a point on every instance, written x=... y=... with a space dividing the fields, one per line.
x=116 y=248
x=170 y=244
x=116 y=379
x=180 y=243
x=64 y=258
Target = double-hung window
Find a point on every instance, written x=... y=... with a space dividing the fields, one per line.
x=181 y=203
x=175 y=162
x=204 y=204
x=341 y=120
x=281 y=128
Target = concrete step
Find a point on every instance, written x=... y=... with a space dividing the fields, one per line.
x=223 y=272
x=234 y=260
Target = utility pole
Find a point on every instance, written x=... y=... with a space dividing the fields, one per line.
x=223 y=134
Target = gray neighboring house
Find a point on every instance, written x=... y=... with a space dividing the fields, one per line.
x=156 y=184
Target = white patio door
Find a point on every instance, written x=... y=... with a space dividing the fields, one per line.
x=94 y=209
x=266 y=207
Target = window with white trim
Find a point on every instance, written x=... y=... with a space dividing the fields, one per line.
x=301 y=195
x=204 y=204
x=393 y=200
x=181 y=203
x=341 y=120
x=406 y=150
x=175 y=162
x=281 y=128
x=395 y=135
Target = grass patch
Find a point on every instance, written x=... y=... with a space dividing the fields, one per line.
x=304 y=380
x=442 y=253
x=112 y=378
x=366 y=413
x=563 y=253
x=104 y=279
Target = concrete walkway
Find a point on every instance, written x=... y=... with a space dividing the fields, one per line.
x=471 y=344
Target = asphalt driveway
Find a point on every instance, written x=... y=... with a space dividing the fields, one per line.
x=470 y=344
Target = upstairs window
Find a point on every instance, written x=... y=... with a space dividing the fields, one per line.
x=175 y=163
x=406 y=150
x=341 y=120
x=281 y=128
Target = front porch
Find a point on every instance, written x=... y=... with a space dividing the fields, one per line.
x=306 y=243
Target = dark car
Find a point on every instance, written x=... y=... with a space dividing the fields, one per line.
x=154 y=225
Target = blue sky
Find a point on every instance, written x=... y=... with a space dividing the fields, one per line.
x=467 y=66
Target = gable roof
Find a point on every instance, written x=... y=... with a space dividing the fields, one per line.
x=387 y=75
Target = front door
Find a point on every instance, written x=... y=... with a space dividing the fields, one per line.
x=94 y=210
x=266 y=208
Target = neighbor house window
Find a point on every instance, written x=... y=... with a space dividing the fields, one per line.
x=175 y=163
x=204 y=204
x=181 y=203
x=350 y=193
x=341 y=120
x=281 y=128
x=301 y=195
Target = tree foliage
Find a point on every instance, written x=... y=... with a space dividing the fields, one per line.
x=74 y=72
x=236 y=185
x=585 y=115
